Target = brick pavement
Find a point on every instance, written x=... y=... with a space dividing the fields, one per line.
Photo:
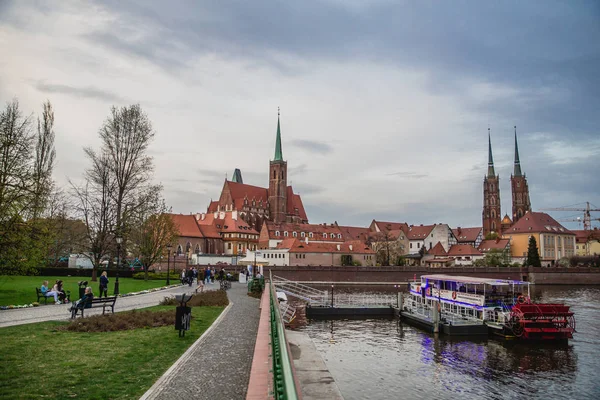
x=218 y=365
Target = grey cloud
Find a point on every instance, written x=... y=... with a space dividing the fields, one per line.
x=312 y=145
x=85 y=92
x=408 y=174
x=308 y=189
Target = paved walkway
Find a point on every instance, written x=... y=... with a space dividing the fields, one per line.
x=218 y=365
x=60 y=312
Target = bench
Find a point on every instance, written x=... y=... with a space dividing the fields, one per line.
x=41 y=295
x=96 y=302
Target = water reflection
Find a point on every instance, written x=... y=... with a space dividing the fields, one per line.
x=383 y=359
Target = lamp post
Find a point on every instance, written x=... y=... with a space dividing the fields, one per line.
x=119 y=241
x=331 y=295
x=168 y=263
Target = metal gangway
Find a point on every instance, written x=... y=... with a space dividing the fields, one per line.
x=313 y=296
x=365 y=300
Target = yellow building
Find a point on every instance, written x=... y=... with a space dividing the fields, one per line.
x=554 y=241
x=587 y=242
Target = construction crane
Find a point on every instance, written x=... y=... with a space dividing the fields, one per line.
x=587 y=217
x=578 y=219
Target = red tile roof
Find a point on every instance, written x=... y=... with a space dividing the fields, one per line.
x=316 y=229
x=416 y=232
x=392 y=226
x=242 y=190
x=459 y=250
x=300 y=246
x=583 y=236
x=437 y=250
x=295 y=202
x=213 y=206
x=466 y=234
x=495 y=244
x=230 y=225
x=537 y=222
x=186 y=224
x=354 y=232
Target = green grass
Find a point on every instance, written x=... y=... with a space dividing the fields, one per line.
x=18 y=290
x=39 y=361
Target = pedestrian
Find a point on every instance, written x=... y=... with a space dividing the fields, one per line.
x=200 y=286
x=183 y=276
x=49 y=293
x=104 y=284
x=190 y=276
x=212 y=275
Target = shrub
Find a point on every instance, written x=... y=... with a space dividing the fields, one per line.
x=122 y=321
x=208 y=298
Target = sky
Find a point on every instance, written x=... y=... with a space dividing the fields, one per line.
x=385 y=105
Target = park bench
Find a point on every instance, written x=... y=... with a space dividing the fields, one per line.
x=97 y=302
x=41 y=295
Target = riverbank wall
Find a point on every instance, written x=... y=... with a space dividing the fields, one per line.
x=545 y=276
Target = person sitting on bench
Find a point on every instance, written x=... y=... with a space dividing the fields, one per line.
x=85 y=301
x=49 y=293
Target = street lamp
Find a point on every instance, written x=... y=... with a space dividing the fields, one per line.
x=168 y=263
x=331 y=295
x=119 y=241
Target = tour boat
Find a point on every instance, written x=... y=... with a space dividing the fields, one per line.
x=463 y=305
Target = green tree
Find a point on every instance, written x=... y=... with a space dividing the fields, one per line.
x=533 y=256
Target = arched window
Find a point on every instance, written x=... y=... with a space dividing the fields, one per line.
x=302 y=234
x=493 y=226
x=188 y=246
x=198 y=249
x=493 y=214
x=274 y=174
x=339 y=235
x=294 y=234
x=276 y=233
x=325 y=235
x=285 y=233
x=310 y=234
x=179 y=250
x=332 y=235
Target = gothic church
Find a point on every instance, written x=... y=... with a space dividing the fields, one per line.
x=491 y=216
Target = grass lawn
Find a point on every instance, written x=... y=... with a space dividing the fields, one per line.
x=39 y=361
x=18 y=290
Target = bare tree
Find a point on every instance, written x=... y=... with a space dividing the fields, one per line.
x=96 y=208
x=125 y=136
x=153 y=229
x=44 y=161
x=386 y=246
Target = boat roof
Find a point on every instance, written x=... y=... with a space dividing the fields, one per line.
x=474 y=280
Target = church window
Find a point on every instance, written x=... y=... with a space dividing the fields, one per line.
x=493 y=214
x=285 y=233
x=276 y=233
x=197 y=249
x=294 y=234
x=518 y=184
x=179 y=250
x=493 y=226
x=274 y=174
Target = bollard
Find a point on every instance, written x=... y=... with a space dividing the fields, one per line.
x=400 y=301
x=436 y=317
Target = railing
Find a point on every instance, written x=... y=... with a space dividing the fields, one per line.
x=364 y=300
x=313 y=296
x=287 y=311
x=283 y=375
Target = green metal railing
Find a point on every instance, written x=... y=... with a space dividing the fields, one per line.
x=283 y=376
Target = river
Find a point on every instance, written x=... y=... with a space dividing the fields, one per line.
x=385 y=359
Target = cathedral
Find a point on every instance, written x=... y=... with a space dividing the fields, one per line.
x=491 y=216
x=253 y=204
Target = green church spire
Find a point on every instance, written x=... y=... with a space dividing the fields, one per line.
x=278 y=152
x=491 y=172
x=517 y=162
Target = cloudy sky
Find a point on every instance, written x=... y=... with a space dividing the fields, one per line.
x=385 y=105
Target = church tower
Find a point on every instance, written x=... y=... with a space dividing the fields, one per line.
x=491 y=196
x=278 y=182
x=520 y=190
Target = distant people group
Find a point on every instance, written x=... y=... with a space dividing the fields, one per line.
x=57 y=291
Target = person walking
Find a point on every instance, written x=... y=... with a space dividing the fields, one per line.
x=104 y=284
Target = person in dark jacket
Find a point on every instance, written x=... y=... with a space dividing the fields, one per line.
x=190 y=276
x=103 y=284
x=84 y=302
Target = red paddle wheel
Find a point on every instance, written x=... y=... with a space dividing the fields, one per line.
x=541 y=321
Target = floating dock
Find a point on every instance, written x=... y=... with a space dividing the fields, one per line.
x=450 y=328
x=349 y=312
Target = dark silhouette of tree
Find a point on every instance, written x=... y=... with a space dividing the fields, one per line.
x=533 y=256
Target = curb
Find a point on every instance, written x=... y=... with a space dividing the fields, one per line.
x=169 y=374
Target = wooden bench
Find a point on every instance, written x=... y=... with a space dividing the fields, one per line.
x=41 y=295
x=96 y=302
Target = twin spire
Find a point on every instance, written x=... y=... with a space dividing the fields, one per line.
x=491 y=172
x=278 y=152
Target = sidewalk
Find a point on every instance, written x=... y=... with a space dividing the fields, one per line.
x=59 y=312
x=218 y=365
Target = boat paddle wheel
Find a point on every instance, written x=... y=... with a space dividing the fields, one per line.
x=541 y=321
